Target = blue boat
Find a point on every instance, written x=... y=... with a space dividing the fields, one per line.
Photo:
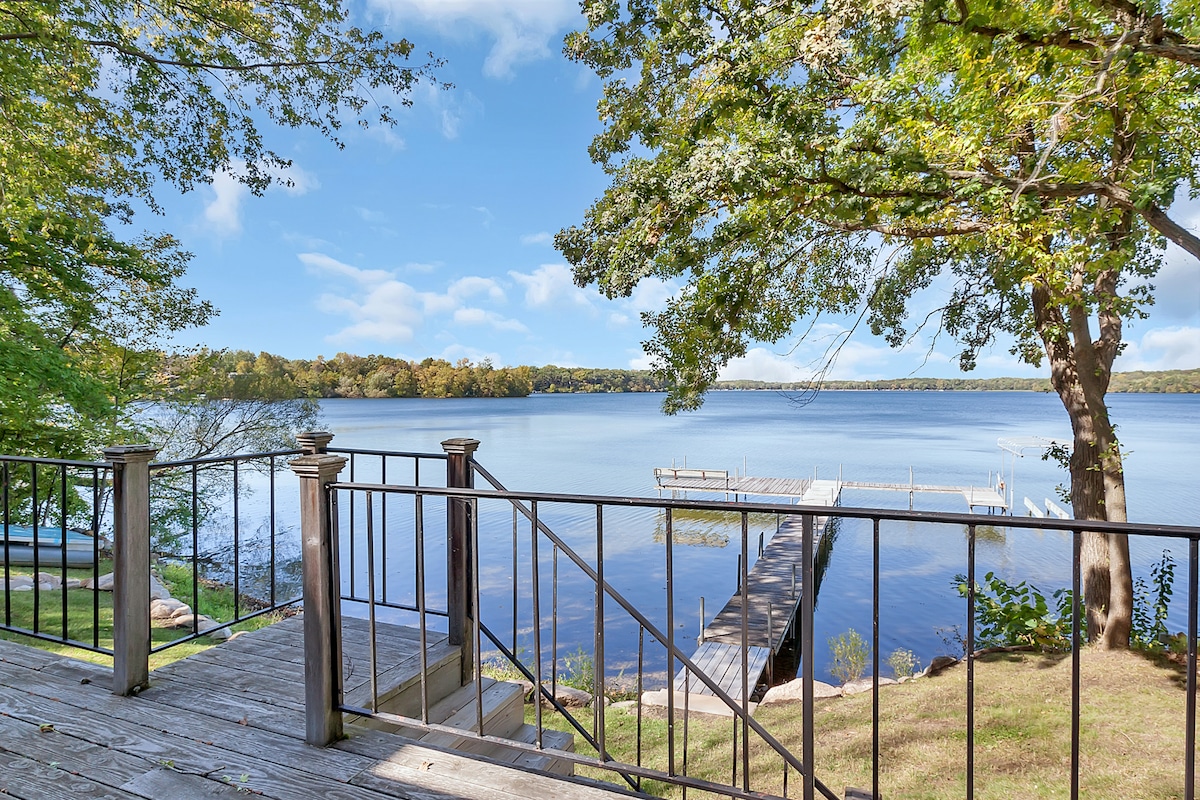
x=18 y=546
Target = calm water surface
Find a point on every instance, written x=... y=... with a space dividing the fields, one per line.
x=610 y=444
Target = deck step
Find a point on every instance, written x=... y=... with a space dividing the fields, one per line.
x=551 y=740
x=503 y=706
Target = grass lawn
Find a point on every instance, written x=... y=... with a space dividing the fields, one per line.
x=216 y=601
x=1132 y=727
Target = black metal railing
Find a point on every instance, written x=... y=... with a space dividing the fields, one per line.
x=424 y=515
x=219 y=518
x=51 y=515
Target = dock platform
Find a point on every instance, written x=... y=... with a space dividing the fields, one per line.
x=226 y=722
x=771 y=604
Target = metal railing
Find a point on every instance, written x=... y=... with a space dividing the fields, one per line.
x=198 y=520
x=413 y=513
x=50 y=511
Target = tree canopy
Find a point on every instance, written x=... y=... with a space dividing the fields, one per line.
x=101 y=105
x=1014 y=161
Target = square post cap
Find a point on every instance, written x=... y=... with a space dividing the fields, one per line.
x=130 y=453
x=314 y=442
x=460 y=446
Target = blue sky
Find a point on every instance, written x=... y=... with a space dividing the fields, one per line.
x=435 y=238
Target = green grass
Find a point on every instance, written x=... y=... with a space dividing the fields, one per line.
x=1132 y=733
x=216 y=601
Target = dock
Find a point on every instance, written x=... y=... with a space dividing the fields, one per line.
x=735 y=486
x=772 y=601
x=228 y=722
x=721 y=482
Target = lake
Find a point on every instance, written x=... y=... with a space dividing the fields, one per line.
x=610 y=444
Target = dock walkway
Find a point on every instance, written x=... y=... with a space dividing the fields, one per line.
x=772 y=601
x=720 y=481
x=227 y=722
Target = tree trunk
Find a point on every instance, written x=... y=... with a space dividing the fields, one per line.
x=1079 y=372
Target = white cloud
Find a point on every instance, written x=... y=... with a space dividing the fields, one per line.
x=474 y=285
x=486 y=213
x=479 y=316
x=1162 y=348
x=642 y=360
x=369 y=215
x=456 y=351
x=521 y=30
x=384 y=308
x=553 y=285
x=223 y=214
x=760 y=364
x=652 y=294
x=541 y=237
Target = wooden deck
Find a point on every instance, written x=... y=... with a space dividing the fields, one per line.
x=720 y=482
x=227 y=723
x=771 y=604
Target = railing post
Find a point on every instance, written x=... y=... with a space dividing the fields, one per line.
x=322 y=591
x=131 y=565
x=459 y=580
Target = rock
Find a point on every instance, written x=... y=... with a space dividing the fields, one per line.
x=938 y=664
x=167 y=608
x=48 y=581
x=210 y=628
x=236 y=634
x=157 y=590
x=793 y=692
x=74 y=583
x=102 y=584
x=857 y=687
x=20 y=583
x=571 y=697
x=625 y=705
x=526 y=689
x=182 y=621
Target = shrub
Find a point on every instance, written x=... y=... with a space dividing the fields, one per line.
x=1018 y=614
x=903 y=663
x=850 y=653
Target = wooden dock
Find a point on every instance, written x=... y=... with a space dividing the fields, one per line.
x=976 y=496
x=717 y=481
x=721 y=482
x=228 y=722
x=772 y=601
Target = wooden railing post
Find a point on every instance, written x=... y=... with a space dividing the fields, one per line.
x=131 y=565
x=322 y=590
x=459 y=575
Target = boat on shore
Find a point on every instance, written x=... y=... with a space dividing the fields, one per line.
x=21 y=543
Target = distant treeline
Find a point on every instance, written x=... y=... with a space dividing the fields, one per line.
x=242 y=373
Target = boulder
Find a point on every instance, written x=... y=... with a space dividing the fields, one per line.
x=167 y=608
x=157 y=590
x=938 y=664
x=793 y=692
x=20 y=583
x=47 y=580
x=571 y=697
x=210 y=628
x=865 y=685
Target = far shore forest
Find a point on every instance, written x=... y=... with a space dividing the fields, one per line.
x=269 y=376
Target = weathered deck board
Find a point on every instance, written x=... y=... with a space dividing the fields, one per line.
x=205 y=727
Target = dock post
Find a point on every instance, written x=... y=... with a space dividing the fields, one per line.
x=316 y=469
x=700 y=638
x=459 y=579
x=131 y=565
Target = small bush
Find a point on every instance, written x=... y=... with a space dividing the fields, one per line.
x=1018 y=614
x=903 y=663
x=579 y=671
x=850 y=653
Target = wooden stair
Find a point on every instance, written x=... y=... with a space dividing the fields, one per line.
x=451 y=705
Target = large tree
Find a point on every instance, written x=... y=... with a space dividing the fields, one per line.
x=789 y=160
x=102 y=103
